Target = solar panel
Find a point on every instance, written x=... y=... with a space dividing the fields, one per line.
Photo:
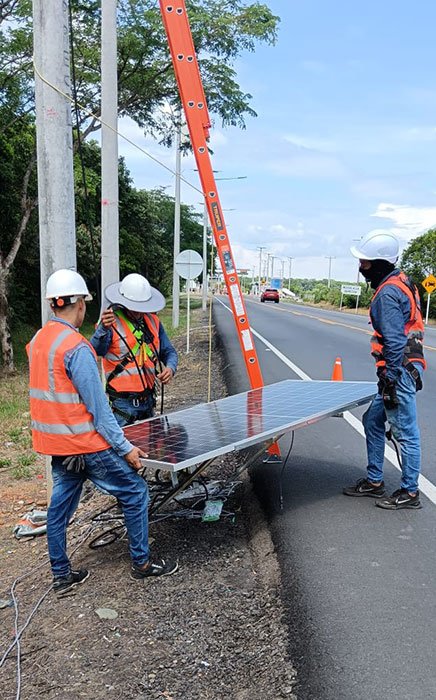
x=185 y=438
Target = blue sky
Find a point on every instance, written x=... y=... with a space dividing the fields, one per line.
x=344 y=141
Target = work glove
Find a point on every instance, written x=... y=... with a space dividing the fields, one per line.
x=74 y=463
x=388 y=391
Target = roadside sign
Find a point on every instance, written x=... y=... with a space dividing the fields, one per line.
x=351 y=289
x=276 y=283
x=189 y=264
x=429 y=284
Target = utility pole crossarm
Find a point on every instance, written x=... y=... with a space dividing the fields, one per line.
x=197 y=118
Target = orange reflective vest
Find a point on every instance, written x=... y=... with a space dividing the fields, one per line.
x=413 y=329
x=61 y=423
x=130 y=363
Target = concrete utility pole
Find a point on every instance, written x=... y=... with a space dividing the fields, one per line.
x=110 y=254
x=176 y=249
x=54 y=141
x=267 y=269
x=330 y=258
x=272 y=265
x=283 y=270
x=290 y=271
x=260 y=249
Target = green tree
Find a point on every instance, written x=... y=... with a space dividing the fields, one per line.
x=222 y=31
x=419 y=261
x=419 y=258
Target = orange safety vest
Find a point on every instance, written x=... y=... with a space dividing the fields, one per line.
x=413 y=329
x=61 y=423
x=123 y=373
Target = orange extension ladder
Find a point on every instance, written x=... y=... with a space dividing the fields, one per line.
x=193 y=99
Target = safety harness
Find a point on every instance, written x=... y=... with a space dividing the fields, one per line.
x=141 y=347
x=413 y=330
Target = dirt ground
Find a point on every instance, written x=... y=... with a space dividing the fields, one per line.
x=213 y=630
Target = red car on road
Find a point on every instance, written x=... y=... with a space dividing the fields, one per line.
x=270 y=295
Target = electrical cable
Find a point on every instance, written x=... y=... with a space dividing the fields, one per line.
x=162 y=386
x=19 y=632
x=390 y=437
x=108 y=126
x=282 y=471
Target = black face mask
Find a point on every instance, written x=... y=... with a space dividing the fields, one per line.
x=377 y=272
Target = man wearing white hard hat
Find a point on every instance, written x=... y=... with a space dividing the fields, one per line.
x=397 y=347
x=135 y=348
x=72 y=422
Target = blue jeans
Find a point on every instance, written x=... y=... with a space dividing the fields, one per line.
x=143 y=410
x=404 y=423
x=110 y=472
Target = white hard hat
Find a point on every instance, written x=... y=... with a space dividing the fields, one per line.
x=377 y=245
x=136 y=294
x=66 y=283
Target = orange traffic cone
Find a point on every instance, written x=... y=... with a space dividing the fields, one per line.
x=337 y=375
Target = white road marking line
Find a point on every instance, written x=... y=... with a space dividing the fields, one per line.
x=425 y=485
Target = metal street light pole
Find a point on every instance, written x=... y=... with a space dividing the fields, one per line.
x=330 y=258
x=260 y=249
x=290 y=271
x=176 y=247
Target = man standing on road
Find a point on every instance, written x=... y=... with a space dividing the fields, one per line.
x=72 y=422
x=397 y=346
x=133 y=344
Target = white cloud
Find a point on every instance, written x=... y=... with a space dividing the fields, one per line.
x=418 y=133
x=311 y=143
x=408 y=221
x=217 y=138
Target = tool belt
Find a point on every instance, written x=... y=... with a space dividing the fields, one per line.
x=132 y=396
x=414 y=372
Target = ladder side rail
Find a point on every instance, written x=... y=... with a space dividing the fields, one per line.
x=194 y=104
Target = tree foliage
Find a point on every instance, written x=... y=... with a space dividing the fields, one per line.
x=419 y=261
x=419 y=258
x=222 y=31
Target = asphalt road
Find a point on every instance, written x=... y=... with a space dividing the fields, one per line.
x=359 y=581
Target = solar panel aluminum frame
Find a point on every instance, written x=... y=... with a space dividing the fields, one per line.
x=364 y=393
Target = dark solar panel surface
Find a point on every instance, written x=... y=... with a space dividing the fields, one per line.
x=184 y=438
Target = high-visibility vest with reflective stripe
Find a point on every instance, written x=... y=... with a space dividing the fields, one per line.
x=413 y=329
x=61 y=423
x=134 y=375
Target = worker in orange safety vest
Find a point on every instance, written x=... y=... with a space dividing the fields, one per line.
x=135 y=348
x=72 y=422
x=397 y=347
